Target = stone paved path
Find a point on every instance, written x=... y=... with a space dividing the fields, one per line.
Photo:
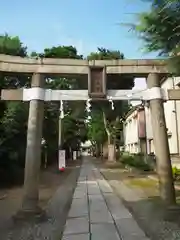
x=96 y=212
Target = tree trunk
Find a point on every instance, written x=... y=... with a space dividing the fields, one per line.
x=111 y=153
x=98 y=150
x=105 y=150
x=111 y=145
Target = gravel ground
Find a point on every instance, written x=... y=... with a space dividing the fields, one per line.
x=56 y=210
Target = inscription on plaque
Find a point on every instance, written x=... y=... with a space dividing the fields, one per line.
x=97 y=82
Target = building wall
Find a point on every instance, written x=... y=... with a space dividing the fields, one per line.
x=172 y=116
x=133 y=129
x=149 y=132
x=171 y=111
x=131 y=133
x=177 y=112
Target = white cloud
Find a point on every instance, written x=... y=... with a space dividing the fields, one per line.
x=64 y=38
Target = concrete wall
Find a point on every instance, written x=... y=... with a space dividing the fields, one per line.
x=172 y=115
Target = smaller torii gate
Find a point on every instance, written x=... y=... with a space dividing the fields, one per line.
x=97 y=72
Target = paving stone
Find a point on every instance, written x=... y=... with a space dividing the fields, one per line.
x=116 y=207
x=100 y=217
x=77 y=226
x=79 y=195
x=81 y=187
x=130 y=230
x=82 y=179
x=96 y=197
x=81 y=202
x=99 y=212
x=104 y=186
x=105 y=231
x=104 y=209
x=77 y=212
x=93 y=189
x=97 y=205
x=77 y=237
x=79 y=208
x=80 y=192
x=91 y=177
x=92 y=183
x=98 y=175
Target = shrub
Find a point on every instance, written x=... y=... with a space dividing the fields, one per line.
x=176 y=173
x=135 y=161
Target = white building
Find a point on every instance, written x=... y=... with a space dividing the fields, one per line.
x=138 y=136
x=134 y=130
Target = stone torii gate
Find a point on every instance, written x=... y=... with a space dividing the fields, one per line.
x=96 y=72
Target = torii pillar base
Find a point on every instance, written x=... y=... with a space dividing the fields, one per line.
x=36 y=215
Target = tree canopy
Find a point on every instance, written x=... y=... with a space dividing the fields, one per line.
x=72 y=130
x=159 y=28
x=12 y=46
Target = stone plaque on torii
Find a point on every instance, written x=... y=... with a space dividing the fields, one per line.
x=97 y=72
x=97 y=82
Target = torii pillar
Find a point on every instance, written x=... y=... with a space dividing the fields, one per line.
x=33 y=151
x=161 y=144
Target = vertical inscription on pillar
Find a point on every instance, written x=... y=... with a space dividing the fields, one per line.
x=97 y=82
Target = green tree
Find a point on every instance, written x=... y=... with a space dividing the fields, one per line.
x=12 y=46
x=159 y=28
x=13 y=115
x=96 y=131
x=72 y=132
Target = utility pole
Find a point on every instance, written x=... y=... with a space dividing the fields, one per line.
x=163 y=161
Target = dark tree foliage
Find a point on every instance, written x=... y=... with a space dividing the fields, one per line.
x=159 y=28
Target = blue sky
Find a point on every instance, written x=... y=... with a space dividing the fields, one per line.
x=86 y=24
x=83 y=23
